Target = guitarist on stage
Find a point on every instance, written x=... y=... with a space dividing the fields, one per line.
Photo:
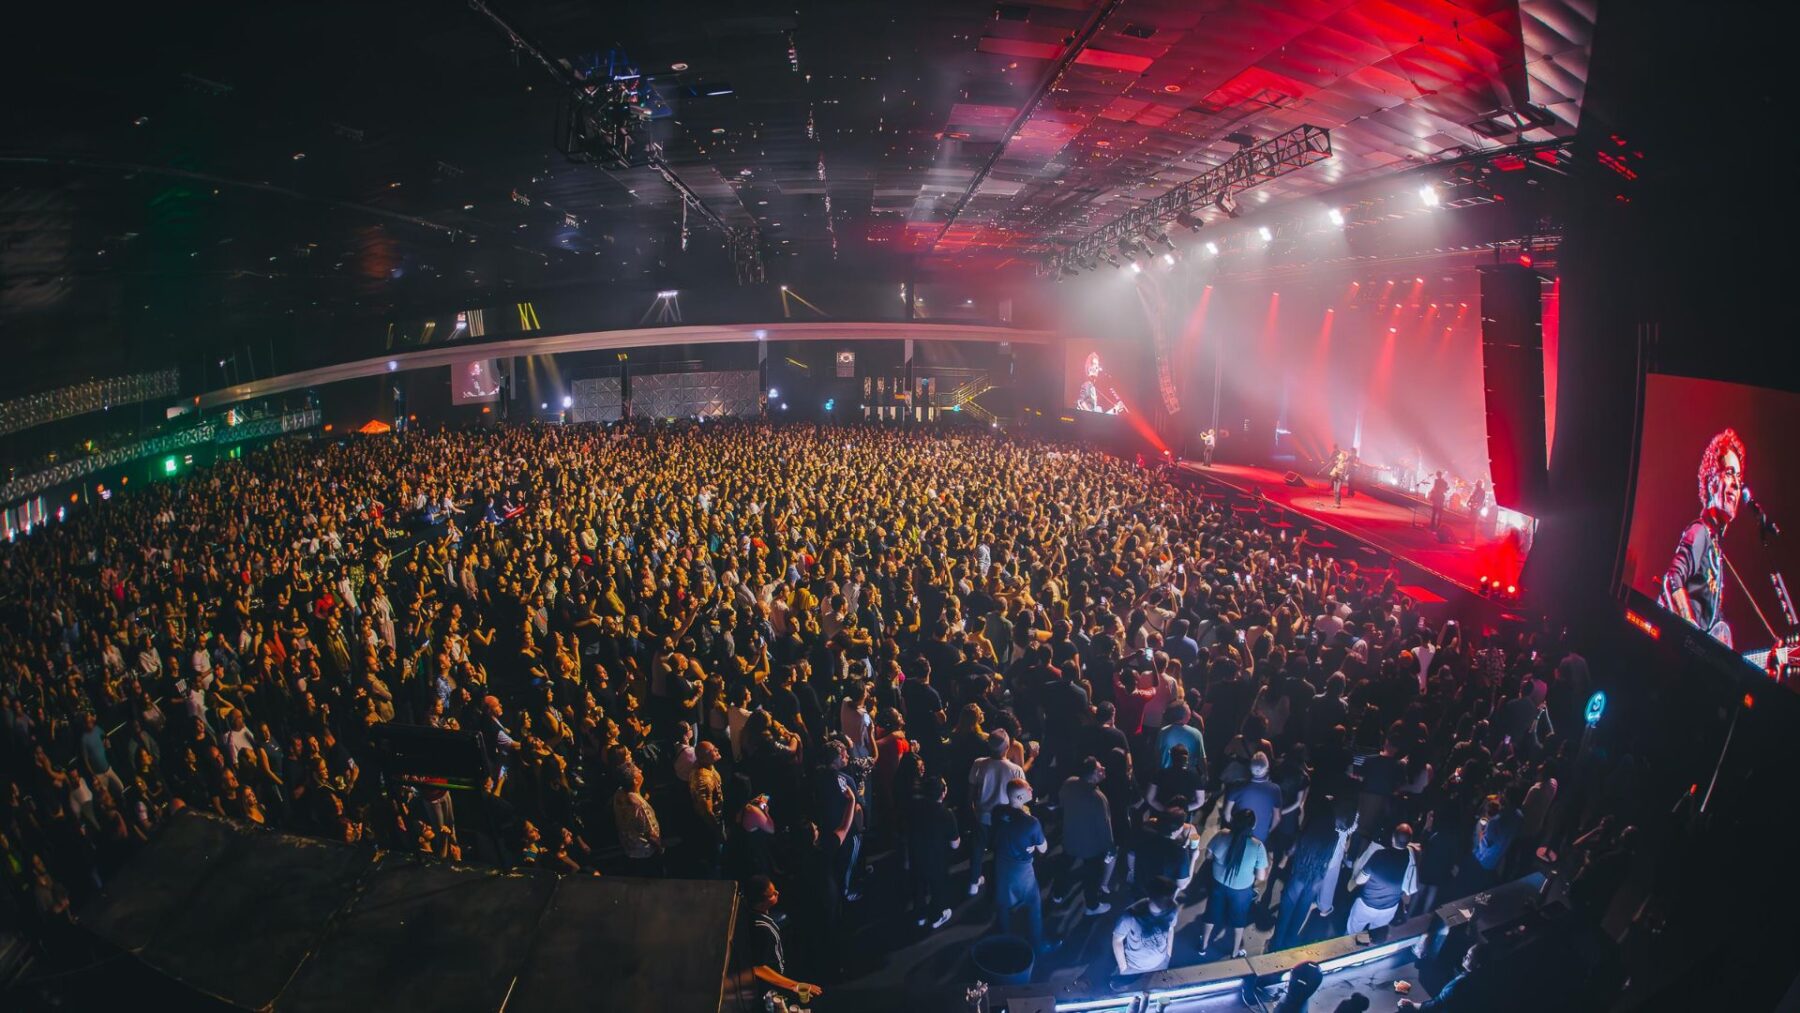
x=1341 y=463
x=1694 y=584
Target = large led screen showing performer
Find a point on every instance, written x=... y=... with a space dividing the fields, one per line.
x=1715 y=482
x=474 y=381
x=1092 y=387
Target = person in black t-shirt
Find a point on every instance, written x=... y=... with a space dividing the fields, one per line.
x=931 y=839
x=764 y=954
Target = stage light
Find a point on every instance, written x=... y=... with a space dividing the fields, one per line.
x=669 y=293
x=393 y=365
x=568 y=401
x=1212 y=249
x=1188 y=220
x=170 y=465
x=784 y=288
x=784 y=406
x=1512 y=589
x=1264 y=232
x=830 y=403
x=1136 y=267
x=1524 y=260
x=543 y=406
x=773 y=393
x=1370 y=955
x=1429 y=195
x=1336 y=217
x=1169 y=258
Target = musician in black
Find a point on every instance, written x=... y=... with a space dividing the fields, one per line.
x=1693 y=586
x=1440 y=494
x=1341 y=461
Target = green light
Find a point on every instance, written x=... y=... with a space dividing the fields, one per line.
x=170 y=464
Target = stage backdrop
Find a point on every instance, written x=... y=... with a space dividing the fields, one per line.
x=1681 y=415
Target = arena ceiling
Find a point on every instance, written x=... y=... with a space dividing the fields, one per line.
x=232 y=164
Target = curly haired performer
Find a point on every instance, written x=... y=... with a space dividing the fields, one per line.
x=1693 y=586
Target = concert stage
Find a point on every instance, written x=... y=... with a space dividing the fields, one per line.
x=1388 y=527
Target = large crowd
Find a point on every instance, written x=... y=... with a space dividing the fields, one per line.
x=959 y=669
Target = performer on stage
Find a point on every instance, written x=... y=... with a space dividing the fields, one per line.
x=1097 y=393
x=1340 y=474
x=1208 y=441
x=1440 y=491
x=1693 y=586
x=1478 y=501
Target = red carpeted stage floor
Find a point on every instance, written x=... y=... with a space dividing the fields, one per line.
x=1388 y=527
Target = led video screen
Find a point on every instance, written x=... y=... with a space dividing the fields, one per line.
x=1091 y=386
x=1716 y=479
x=475 y=381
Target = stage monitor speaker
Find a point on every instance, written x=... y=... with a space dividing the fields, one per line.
x=1512 y=364
x=1293 y=478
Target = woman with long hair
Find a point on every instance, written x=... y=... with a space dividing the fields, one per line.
x=1239 y=863
x=1310 y=869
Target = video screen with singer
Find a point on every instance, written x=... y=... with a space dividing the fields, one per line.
x=1715 y=483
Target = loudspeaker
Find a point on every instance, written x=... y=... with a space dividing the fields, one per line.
x=1512 y=363
x=1293 y=478
x=1446 y=536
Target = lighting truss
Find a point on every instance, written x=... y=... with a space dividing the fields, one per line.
x=742 y=244
x=1298 y=148
x=21 y=413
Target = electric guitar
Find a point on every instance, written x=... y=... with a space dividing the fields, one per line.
x=1780 y=662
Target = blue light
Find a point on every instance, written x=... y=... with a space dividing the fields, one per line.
x=830 y=403
x=1596 y=706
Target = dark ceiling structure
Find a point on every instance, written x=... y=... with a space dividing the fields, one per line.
x=179 y=178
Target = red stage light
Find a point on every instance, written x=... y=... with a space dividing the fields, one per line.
x=1524 y=260
x=1512 y=589
x=1749 y=701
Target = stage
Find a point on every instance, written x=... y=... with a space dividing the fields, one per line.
x=1388 y=527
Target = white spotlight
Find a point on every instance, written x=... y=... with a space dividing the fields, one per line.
x=668 y=293
x=568 y=401
x=1136 y=267
x=1168 y=258
x=1264 y=232
x=773 y=393
x=1336 y=216
x=1212 y=249
x=1429 y=195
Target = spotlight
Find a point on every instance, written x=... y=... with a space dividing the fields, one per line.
x=1188 y=220
x=1129 y=247
x=668 y=293
x=1512 y=590
x=1160 y=237
x=1110 y=259
x=568 y=401
x=1169 y=258
x=773 y=393
x=543 y=406
x=1212 y=249
x=1227 y=204
x=393 y=364
x=1336 y=216
x=784 y=406
x=1264 y=232
x=1136 y=267
x=1429 y=195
